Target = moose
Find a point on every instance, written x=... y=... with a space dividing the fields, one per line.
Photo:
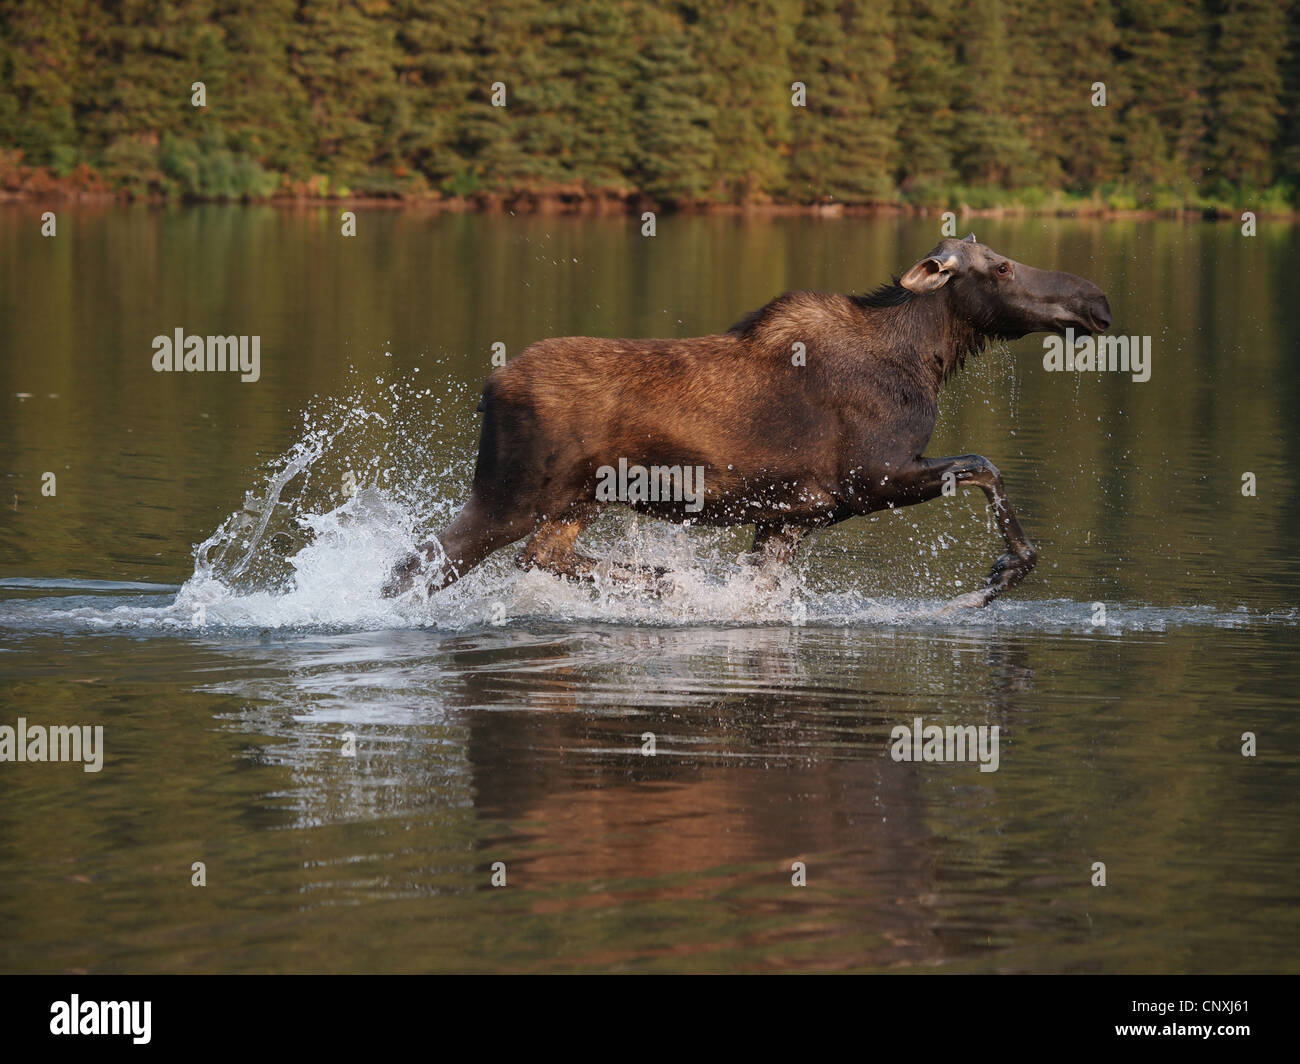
x=815 y=408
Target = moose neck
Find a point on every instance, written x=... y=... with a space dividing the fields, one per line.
x=944 y=339
x=940 y=339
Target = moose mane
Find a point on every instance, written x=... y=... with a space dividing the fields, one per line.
x=891 y=294
x=899 y=317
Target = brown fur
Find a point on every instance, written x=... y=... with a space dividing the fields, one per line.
x=783 y=446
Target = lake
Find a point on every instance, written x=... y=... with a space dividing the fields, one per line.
x=522 y=774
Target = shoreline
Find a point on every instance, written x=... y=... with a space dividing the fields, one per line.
x=596 y=204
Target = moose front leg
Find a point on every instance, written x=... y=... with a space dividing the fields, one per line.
x=773 y=551
x=928 y=478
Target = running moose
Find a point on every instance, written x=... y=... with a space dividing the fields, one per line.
x=787 y=444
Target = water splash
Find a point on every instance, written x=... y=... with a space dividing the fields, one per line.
x=314 y=542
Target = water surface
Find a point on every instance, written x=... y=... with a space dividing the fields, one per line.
x=503 y=720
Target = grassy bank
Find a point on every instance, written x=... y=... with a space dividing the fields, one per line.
x=178 y=178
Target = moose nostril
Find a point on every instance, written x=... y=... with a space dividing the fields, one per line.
x=1101 y=315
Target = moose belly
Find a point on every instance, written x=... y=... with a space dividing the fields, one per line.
x=712 y=495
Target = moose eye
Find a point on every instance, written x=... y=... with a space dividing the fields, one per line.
x=1003 y=269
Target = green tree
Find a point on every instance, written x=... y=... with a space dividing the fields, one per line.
x=991 y=147
x=842 y=141
x=1245 y=60
x=40 y=57
x=926 y=76
x=747 y=52
x=1061 y=54
x=1287 y=148
x=1161 y=93
x=673 y=145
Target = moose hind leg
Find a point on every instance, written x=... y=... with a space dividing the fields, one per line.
x=929 y=478
x=552 y=547
x=477 y=531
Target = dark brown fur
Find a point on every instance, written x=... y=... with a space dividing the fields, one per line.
x=785 y=447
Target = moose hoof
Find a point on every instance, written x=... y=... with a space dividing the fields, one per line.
x=768 y=578
x=972 y=600
x=641 y=577
x=402 y=578
x=1009 y=569
x=653 y=580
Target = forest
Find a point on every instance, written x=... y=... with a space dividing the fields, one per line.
x=1127 y=104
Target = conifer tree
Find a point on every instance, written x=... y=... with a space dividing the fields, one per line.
x=688 y=100
x=673 y=146
x=40 y=62
x=1162 y=96
x=925 y=80
x=1287 y=149
x=747 y=53
x=1064 y=60
x=842 y=140
x=991 y=148
x=1245 y=59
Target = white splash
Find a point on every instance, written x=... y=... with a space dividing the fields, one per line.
x=304 y=553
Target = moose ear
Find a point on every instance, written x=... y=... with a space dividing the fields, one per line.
x=970 y=239
x=928 y=275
